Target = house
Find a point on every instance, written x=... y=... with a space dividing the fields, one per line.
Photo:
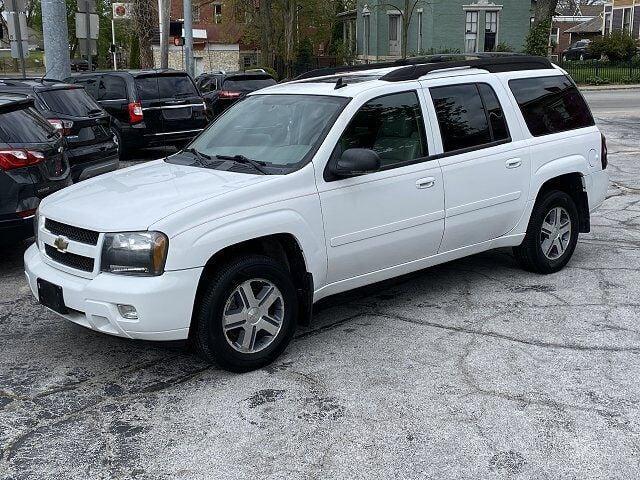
x=373 y=30
x=622 y=15
x=219 y=41
x=573 y=23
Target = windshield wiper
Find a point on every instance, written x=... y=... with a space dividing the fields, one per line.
x=259 y=166
x=202 y=158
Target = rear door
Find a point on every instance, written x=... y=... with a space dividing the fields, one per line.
x=485 y=160
x=113 y=97
x=171 y=103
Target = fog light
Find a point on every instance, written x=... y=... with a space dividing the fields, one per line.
x=128 y=312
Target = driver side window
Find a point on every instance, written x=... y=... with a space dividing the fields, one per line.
x=392 y=126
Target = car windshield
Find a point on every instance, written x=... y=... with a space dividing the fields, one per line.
x=279 y=130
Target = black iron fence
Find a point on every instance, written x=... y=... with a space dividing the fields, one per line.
x=598 y=72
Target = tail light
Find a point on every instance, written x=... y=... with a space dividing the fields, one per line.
x=228 y=94
x=62 y=126
x=27 y=213
x=10 y=159
x=604 y=152
x=135 y=112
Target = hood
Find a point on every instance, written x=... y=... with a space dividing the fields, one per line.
x=136 y=197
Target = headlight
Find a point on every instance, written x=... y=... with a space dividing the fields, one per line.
x=134 y=253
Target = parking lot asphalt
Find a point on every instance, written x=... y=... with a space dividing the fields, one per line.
x=469 y=370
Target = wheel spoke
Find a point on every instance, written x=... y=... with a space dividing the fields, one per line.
x=559 y=247
x=269 y=325
x=246 y=293
x=249 y=337
x=557 y=215
x=269 y=297
x=564 y=230
x=547 y=245
x=547 y=228
x=234 y=320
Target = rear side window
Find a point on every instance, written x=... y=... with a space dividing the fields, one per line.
x=112 y=88
x=165 y=86
x=70 y=101
x=90 y=85
x=469 y=116
x=247 y=83
x=551 y=105
x=24 y=126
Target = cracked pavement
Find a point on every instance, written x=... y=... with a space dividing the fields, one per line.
x=472 y=369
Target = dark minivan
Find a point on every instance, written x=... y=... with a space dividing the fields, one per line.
x=223 y=89
x=86 y=127
x=33 y=164
x=149 y=107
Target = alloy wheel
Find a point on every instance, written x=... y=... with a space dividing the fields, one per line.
x=253 y=315
x=555 y=234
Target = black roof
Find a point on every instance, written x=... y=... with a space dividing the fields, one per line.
x=12 y=101
x=29 y=85
x=134 y=73
x=414 y=68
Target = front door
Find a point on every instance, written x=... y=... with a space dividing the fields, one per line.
x=390 y=217
x=395 y=36
x=485 y=162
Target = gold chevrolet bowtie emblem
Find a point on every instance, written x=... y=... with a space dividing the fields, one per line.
x=61 y=243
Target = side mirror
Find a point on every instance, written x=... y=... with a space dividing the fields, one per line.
x=356 y=161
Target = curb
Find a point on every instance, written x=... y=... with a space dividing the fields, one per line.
x=599 y=88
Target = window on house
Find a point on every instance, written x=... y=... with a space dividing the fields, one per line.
x=490 y=31
x=554 y=38
x=607 y=24
x=626 y=20
x=469 y=116
x=419 y=49
x=367 y=34
x=195 y=13
x=471 y=32
x=217 y=12
x=391 y=125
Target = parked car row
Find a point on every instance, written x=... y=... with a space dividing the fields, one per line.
x=56 y=133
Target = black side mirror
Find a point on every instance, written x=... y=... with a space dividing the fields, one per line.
x=356 y=161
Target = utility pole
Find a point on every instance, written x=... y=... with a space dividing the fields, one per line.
x=188 y=37
x=56 y=40
x=15 y=21
x=164 y=12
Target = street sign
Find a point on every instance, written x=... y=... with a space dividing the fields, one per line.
x=82 y=43
x=121 y=11
x=81 y=25
x=17 y=27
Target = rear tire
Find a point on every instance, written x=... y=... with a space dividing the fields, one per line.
x=247 y=314
x=117 y=139
x=552 y=234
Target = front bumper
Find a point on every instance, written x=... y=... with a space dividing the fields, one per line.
x=164 y=303
x=14 y=231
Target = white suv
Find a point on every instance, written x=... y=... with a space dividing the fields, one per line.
x=305 y=189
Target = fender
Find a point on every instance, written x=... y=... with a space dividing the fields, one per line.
x=555 y=168
x=194 y=247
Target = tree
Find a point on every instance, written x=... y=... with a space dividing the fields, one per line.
x=145 y=20
x=537 y=41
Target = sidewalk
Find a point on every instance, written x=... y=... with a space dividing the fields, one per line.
x=590 y=88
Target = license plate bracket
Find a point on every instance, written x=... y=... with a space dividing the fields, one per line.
x=50 y=295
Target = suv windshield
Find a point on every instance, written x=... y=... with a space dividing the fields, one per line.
x=165 y=86
x=69 y=101
x=252 y=83
x=280 y=130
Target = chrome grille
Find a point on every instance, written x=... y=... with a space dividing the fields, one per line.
x=77 y=234
x=72 y=260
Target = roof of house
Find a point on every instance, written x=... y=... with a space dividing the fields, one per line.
x=567 y=10
x=591 y=26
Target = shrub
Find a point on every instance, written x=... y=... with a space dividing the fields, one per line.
x=537 y=41
x=597 y=81
x=504 y=47
x=615 y=47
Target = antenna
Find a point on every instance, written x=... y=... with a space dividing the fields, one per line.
x=340 y=84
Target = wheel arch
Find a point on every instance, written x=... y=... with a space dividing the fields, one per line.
x=282 y=247
x=573 y=184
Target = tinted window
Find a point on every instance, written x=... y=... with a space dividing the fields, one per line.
x=247 y=84
x=461 y=116
x=392 y=126
x=90 y=85
x=551 y=104
x=165 y=86
x=497 y=122
x=112 y=88
x=24 y=126
x=71 y=101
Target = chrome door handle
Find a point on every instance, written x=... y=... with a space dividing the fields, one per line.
x=513 y=163
x=426 y=182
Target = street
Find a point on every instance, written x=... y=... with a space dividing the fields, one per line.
x=470 y=370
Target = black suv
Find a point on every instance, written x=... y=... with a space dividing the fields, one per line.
x=222 y=89
x=33 y=164
x=149 y=108
x=579 y=51
x=90 y=147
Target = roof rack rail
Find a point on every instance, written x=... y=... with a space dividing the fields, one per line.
x=491 y=61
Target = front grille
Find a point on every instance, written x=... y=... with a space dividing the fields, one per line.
x=72 y=260
x=77 y=234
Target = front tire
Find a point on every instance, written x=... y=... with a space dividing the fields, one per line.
x=552 y=234
x=247 y=314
